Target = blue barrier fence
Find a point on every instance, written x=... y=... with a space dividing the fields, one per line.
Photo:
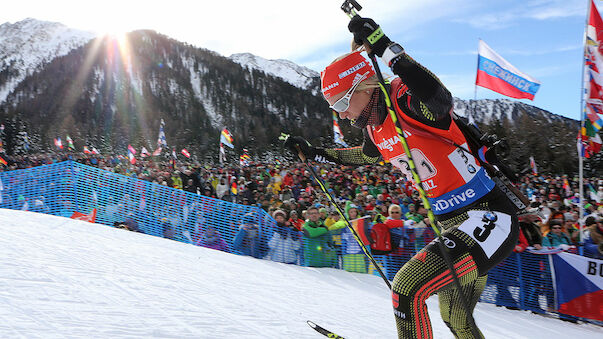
x=523 y=280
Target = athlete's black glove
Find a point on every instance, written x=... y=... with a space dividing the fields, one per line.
x=299 y=144
x=367 y=31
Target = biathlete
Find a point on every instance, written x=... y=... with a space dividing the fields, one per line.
x=479 y=221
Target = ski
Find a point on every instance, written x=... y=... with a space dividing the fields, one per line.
x=324 y=331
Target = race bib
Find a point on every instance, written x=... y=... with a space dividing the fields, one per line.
x=425 y=168
x=464 y=163
x=488 y=229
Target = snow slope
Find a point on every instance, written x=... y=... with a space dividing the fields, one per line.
x=66 y=278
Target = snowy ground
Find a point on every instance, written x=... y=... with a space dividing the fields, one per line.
x=66 y=278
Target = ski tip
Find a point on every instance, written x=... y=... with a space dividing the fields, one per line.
x=313 y=325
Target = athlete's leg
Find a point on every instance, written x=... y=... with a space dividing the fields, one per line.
x=422 y=276
x=452 y=309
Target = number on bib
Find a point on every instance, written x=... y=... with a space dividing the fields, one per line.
x=489 y=235
x=425 y=168
x=464 y=163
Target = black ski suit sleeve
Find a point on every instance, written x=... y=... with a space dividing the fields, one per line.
x=430 y=102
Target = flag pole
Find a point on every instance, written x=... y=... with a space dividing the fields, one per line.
x=582 y=112
x=473 y=104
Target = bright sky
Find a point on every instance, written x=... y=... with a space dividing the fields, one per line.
x=542 y=38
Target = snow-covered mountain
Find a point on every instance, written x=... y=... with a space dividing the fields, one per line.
x=289 y=71
x=28 y=44
x=488 y=110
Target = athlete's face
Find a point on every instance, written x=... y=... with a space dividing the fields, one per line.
x=358 y=101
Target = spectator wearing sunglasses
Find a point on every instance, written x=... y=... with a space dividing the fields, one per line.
x=396 y=226
x=557 y=236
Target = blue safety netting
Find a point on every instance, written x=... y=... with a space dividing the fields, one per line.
x=522 y=281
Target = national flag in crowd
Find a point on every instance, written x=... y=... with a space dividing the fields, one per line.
x=86 y=150
x=533 y=166
x=95 y=151
x=58 y=143
x=244 y=160
x=566 y=187
x=161 y=139
x=497 y=74
x=131 y=152
x=174 y=157
x=185 y=153
x=144 y=152
x=579 y=285
x=233 y=188
x=157 y=151
x=592 y=113
x=70 y=143
x=337 y=135
x=3 y=162
x=362 y=227
x=589 y=140
x=226 y=138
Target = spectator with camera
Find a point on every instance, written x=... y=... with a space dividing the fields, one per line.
x=285 y=242
x=249 y=240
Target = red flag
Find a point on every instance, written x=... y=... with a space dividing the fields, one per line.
x=597 y=26
x=185 y=153
x=131 y=149
x=131 y=157
x=85 y=217
x=595 y=91
x=157 y=151
x=3 y=162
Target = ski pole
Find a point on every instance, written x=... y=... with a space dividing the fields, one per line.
x=323 y=187
x=348 y=7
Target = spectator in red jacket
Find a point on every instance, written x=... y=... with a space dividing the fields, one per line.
x=295 y=221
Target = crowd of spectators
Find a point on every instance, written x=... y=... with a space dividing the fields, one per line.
x=369 y=191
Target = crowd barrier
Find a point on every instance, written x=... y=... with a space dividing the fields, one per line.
x=522 y=281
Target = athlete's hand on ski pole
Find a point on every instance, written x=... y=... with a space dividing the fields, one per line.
x=300 y=147
x=367 y=32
